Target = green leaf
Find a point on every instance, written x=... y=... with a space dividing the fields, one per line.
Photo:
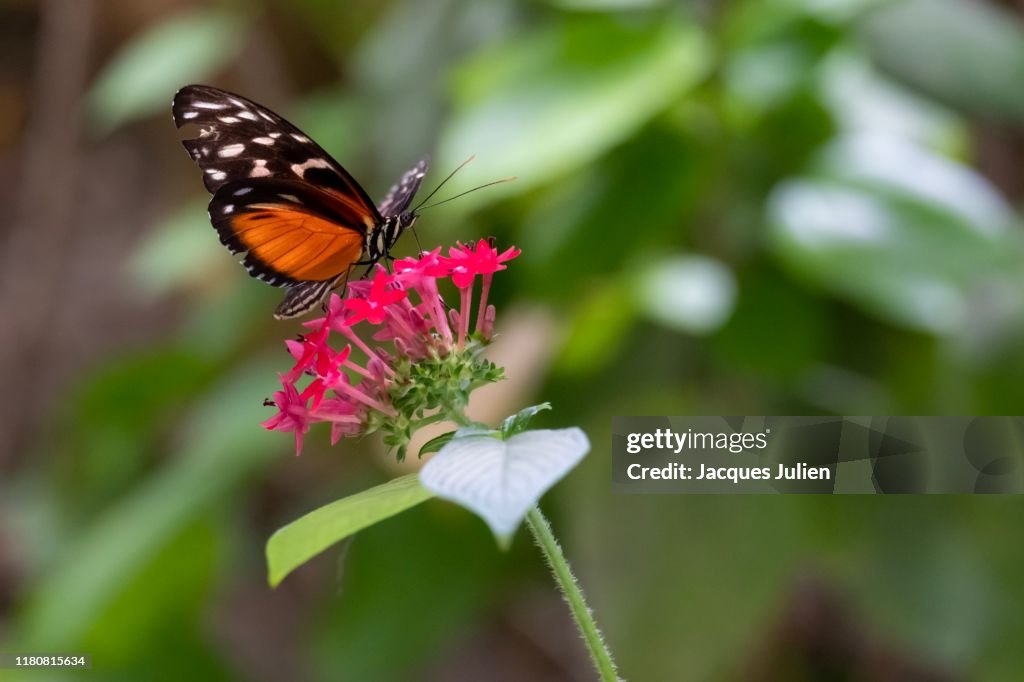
x=143 y=76
x=692 y=294
x=436 y=443
x=963 y=53
x=552 y=101
x=919 y=256
x=179 y=251
x=521 y=419
x=500 y=480
x=221 y=445
x=304 y=538
x=604 y=318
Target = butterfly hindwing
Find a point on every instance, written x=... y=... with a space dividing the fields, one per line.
x=303 y=296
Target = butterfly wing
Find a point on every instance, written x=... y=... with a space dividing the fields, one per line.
x=402 y=192
x=291 y=231
x=278 y=196
x=241 y=139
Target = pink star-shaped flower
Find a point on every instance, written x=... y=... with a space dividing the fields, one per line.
x=467 y=262
x=292 y=414
x=346 y=417
x=305 y=351
x=412 y=271
x=373 y=308
x=328 y=374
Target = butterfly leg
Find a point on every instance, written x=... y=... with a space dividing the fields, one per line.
x=419 y=247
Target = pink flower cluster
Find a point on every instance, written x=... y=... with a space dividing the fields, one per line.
x=416 y=330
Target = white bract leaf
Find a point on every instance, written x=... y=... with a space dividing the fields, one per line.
x=501 y=480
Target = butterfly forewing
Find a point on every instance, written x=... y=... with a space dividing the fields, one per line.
x=238 y=138
x=402 y=192
x=292 y=231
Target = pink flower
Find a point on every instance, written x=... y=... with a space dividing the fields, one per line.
x=373 y=307
x=346 y=418
x=413 y=325
x=305 y=350
x=328 y=373
x=466 y=262
x=292 y=414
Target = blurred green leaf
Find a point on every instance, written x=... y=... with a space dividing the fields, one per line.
x=332 y=118
x=603 y=320
x=606 y=5
x=862 y=99
x=634 y=202
x=141 y=79
x=222 y=443
x=435 y=570
x=914 y=263
x=118 y=413
x=890 y=165
x=693 y=294
x=182 y=249
x=778 y=329
x=556 y=99
x=152 y=622
x=304 y=538
x=968 y=54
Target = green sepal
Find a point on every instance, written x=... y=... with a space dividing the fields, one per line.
x=436 y=443
x=521 y=419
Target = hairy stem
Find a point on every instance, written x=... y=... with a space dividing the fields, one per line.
x=545 y=539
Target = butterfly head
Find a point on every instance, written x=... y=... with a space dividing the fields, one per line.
x=405 y=221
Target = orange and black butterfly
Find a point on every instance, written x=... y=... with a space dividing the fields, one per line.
x=301 y=219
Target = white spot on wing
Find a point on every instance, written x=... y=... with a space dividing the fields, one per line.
x=301 y=168
x=208 y=105
x=236 y=102
x=290 y=197
x=229 y=208
x=244 y=190
x=247 y=115
x=274 y=135
x=218 y=175
x=227 y=119
x=299 y=138
x=263 y=140
x=231 y=150
x=267 y=117
x=190 y=114
x=259 y=170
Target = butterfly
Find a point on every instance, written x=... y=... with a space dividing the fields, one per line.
x=301 y=219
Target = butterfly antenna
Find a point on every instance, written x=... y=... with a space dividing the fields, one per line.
x=450 y=176
x=462 y=194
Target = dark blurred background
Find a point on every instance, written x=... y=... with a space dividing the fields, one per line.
x=743 y=207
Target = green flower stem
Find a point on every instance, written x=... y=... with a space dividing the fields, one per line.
x=432 y=419
x=545 y=539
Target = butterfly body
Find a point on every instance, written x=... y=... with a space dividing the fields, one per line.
x=302 y=221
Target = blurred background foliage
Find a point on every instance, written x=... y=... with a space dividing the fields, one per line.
x=744 y=207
